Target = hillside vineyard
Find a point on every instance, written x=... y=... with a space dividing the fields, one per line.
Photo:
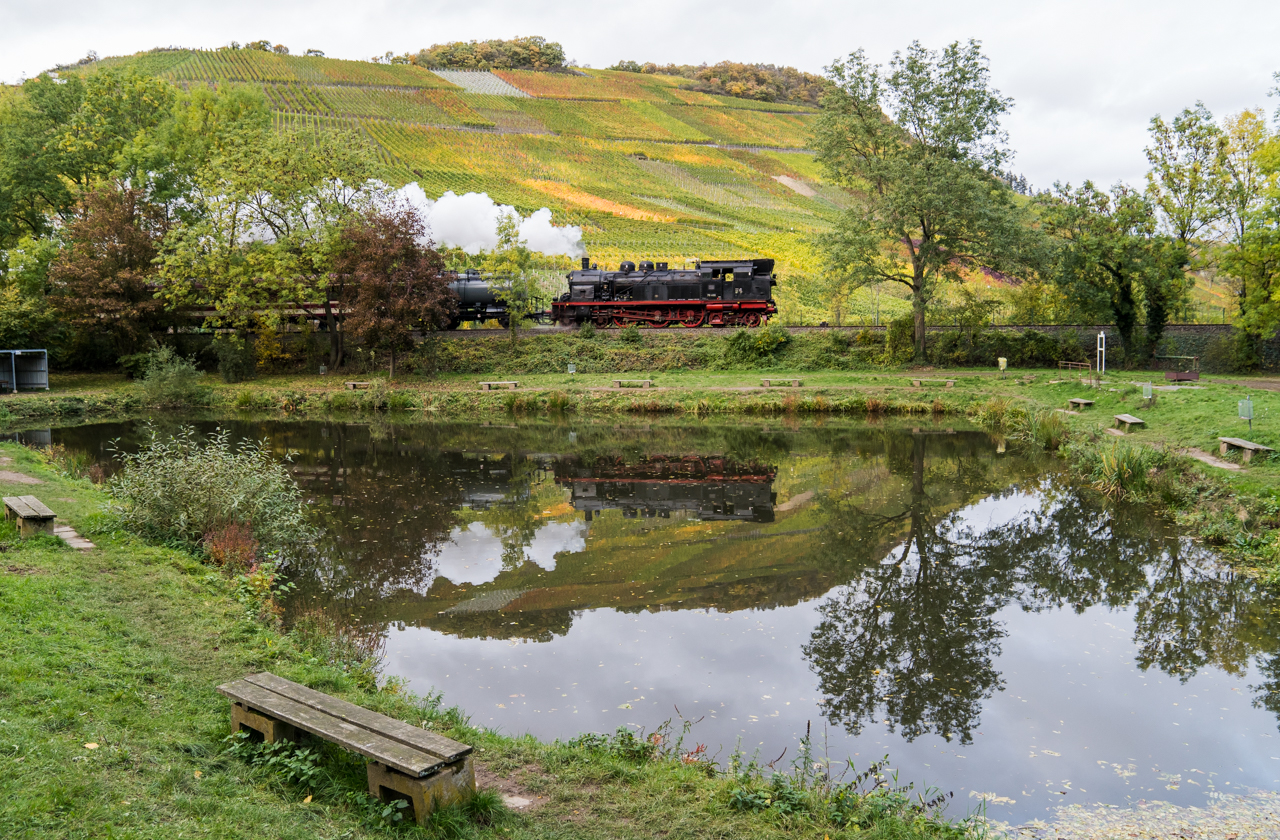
x=648 y=170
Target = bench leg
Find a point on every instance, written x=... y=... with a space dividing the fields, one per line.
x=270 y=729
x=1247 y=455
x=454 y=783
x=34 y=527
x=1222 y=448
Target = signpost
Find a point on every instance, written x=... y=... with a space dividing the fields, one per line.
x=1102 y=353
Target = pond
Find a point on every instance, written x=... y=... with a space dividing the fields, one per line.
x=996 y=628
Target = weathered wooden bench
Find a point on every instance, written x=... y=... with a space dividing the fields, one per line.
x=1079 y=402
x=1127 y=420
x=768 y=383
x=950 y=383
x=488 y=386
x=32 y=515
x=356 y=386
x=633 y=383
x=1226 y=444
x=405 y=762
x=1182 y=375
x=1074 y=366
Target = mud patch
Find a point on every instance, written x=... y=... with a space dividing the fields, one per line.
x=516 y=797
x=11 y=477
x=24 y=570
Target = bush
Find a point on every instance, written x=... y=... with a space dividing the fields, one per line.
x=630 y=335
x=178 y=489
x=900 y=343
x=172 y=380
x=753 y=347
x=235 y=358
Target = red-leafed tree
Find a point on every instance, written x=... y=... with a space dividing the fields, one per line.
x=392 y=286
x=102 y=280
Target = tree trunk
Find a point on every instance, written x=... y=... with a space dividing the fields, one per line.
x=917 y=306
x=331 y=324
x=392 y=374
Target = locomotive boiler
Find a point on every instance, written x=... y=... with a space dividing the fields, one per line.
x=718 y=293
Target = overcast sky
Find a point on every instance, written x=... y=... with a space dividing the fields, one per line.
x=1087 y=76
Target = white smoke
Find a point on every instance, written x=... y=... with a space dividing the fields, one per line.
x=470 y=222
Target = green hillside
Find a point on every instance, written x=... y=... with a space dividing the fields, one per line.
x=646 y=168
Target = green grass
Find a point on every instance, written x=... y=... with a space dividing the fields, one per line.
x=122 y=648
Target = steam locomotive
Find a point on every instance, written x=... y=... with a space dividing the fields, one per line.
x=718 y=293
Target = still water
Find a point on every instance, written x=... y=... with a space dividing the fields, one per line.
x=995 y=628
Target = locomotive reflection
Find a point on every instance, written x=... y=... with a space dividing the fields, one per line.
x=710 y=488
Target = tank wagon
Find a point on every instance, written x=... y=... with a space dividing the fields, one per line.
x=718 y=293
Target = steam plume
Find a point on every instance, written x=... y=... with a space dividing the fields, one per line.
x=470 y=222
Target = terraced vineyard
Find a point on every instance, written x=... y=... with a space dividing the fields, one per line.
x=648 y=169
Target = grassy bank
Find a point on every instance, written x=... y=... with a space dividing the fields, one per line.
x=111 y=727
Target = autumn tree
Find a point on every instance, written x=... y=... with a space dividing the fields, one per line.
x=61 y=137
x=918 y=147
x=1107 y=248
x=1186 y=182
x=262 y=221
x=394 y=285
x=103 y=279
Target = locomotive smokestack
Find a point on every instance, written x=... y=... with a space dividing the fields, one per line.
x=586 y=263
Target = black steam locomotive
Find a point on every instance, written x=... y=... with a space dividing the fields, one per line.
x=718 y=293
x=710 y=488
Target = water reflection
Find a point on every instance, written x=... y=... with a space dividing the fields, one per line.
x=900 y=566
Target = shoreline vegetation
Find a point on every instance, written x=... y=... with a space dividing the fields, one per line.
x=1170 y=462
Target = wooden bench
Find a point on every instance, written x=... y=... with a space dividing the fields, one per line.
x=1074 y=366
x=356 y=386
x=950 y=383
x=405 y=762
x=488 y=386
x=1079 y=402
x=1182 y=375
x=768 y=383
x=1228 y=443
x=1127 y=420
x=633 y=383
x=33 y=517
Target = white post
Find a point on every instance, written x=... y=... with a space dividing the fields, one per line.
x=1102 y=353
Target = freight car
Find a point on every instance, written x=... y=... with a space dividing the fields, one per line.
x=719 y=293
x=477 y=300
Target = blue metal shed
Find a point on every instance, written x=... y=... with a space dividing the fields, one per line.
x=21 y=369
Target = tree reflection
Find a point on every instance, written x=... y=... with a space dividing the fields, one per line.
x=913 y=638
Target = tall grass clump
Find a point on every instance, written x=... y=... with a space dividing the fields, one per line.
x=999 y=414
x=1121 y=470
x=1048 y=429
x=178 y=489
x=171 y=380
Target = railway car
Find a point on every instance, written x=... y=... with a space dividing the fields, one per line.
x=718 y=293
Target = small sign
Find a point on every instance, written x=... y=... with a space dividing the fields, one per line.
x=1246 y=408
x=573 y=369
x=1004 y=363
x=1146 y=390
